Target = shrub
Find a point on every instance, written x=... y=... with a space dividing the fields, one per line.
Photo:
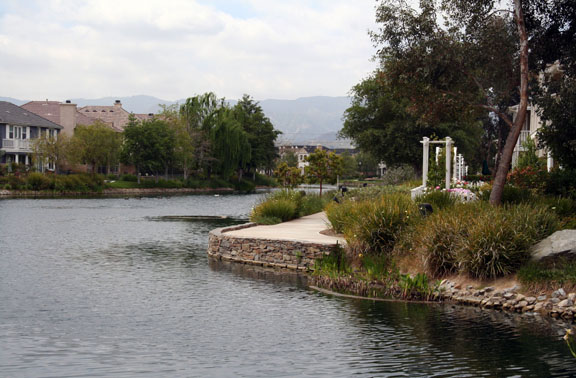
x=263 y=180
x=129 y=177
x=375 y=225
x=265 y=220
x=340 y=214
x=38 y=181
x=561 y=182
x=334 y=264
x=510 y=194
x=311 y=204
x=283 y=209
x=16 y=182
x=438 y=199
x=398 y=175
x=529 y=178
x=166 y=184
x=480 y=240
x=244 y=186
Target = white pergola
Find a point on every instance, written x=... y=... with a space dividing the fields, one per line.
x=426 y=142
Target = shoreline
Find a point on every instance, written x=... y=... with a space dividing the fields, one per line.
x=250 y=244
x=112 y=192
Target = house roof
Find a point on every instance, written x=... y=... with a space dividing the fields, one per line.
x=114 y=115
x=51 y=111
x=13 y=114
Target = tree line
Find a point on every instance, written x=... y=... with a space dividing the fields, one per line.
x=204 y=136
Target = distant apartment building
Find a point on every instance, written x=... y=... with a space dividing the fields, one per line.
x=69 y=116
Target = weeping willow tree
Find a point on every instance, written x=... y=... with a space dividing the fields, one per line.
x=199 y=115
x=230 y=145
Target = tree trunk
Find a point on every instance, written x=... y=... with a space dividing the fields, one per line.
x=512 y=139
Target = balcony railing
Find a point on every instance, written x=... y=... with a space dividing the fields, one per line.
x=524 y=135
x=16 y=145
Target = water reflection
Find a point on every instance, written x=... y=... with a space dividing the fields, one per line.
x=108 y=287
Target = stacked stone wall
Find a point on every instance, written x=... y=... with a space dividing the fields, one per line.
x=288 y=254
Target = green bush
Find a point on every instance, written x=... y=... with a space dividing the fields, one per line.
x=374 y=226
x=265 y=220
x=129 y=177
x=556 y=272
x=164 y=184
x=311 y=204
x=340 y=214
x=244 y=186
x=263 y=180
x=16 y=182
x=39 y=181
x=510 y=195
x=334 y=264
x=283 y=209
x=398 y=175
x=480 y=240
x=79 y=183
x=438 y=199
x=561 y=182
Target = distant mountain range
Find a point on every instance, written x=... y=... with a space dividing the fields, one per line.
x=306 y=120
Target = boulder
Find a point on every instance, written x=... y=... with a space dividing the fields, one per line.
x=559 y=243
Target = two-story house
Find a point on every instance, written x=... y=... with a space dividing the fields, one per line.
x=18 y=129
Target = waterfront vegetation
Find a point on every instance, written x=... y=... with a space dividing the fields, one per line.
x=395 y=249
x=285 y=205
x=96 y=183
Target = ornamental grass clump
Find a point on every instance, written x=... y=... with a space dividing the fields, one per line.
x=275 y=209
x=480 y=240
x=375 y=226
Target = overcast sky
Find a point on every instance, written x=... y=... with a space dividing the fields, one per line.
x=172 y=49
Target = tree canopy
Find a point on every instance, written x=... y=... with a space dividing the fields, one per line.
x=453 y=61
x=96 y=145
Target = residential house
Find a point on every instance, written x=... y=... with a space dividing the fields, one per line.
x=114 y=115
x=65 y=114
x=18 y=128
x=69 y=116
x=533 y=121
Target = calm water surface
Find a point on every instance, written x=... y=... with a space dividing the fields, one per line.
x=107 y=288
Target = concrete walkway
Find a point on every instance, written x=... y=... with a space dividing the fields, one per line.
x=305 y=229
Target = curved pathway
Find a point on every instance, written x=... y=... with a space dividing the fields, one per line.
x=306 y=229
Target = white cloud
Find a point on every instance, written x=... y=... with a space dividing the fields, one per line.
x=177 y=48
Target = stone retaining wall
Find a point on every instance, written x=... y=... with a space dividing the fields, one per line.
x=289 y=254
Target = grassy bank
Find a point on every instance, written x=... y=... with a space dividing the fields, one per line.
x=395 y=250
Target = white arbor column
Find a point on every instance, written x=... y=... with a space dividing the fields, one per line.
x=425 y=159
x=448 y=161
x=549 y=161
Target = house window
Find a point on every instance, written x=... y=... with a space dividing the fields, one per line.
x=17 y=132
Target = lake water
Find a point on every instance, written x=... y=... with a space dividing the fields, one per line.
x=107 y=288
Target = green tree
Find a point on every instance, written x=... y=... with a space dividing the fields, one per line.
x=199 y=114
x=231 y=145
x=260 y=132
x=96 y=145
x=51 y=149
x=149 y=146
x=289 y=176
x=184 y=142
x=475 y=61
x=552 y=29
x=383 y=123
x=323 y=166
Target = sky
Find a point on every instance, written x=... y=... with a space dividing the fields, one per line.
x=173 y=49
